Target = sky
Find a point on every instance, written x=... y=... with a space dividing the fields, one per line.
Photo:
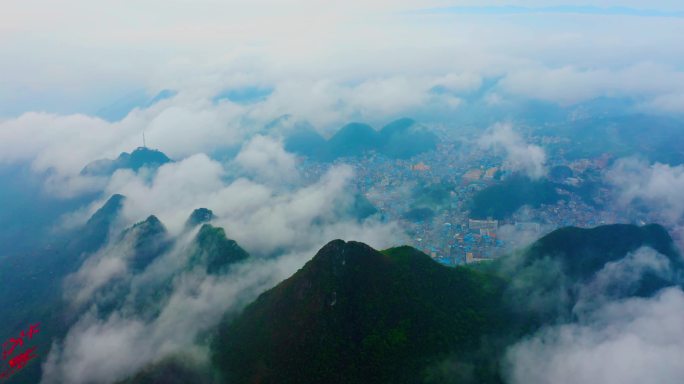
x=78 y=79
x=80 y=56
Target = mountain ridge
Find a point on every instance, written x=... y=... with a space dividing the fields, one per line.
x=401 y=139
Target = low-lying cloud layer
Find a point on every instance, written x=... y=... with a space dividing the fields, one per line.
x=654 y=190
x=260 y=201
x=612 y=340
x=631 y=341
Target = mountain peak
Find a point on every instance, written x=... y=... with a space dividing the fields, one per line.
x=139 y=158
x=110 y=209
x=399 y=139
x=373 y=310
x=397 y=126
x=199 y=216
x=149 y=241
x=145 y=157
x=338 y=254
x=214 y=250
x=95 y=232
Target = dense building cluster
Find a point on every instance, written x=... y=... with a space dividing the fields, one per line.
x=430 y=195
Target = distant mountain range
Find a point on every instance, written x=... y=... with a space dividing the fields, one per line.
x=402 y=139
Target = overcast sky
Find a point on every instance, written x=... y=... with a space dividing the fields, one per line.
x=79 y=56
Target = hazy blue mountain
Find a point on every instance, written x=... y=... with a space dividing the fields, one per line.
x=32 y=282
x=353 y=139
x=405 y=138
x=199 y=216
x=29 y=212
x=137 y=99
x=400 y=139
x=150 y=241
x=307 y=142
x=139 y=158
x=214 y=251
x=95 y=233
x=246 y=95
x=620 y=135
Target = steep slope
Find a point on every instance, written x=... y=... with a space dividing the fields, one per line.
x=32 y=284
x=150 y=240
x=96 y=231
x=214 y=250
x=209 y=252
x=35 y=287
x=353 y=314
x=199 y=216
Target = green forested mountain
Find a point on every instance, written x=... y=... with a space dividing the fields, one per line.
x=214 y=251
x=356 y=315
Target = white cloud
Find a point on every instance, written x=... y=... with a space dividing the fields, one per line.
x=65 y=144
x=650 y=191
x=213 y=45
x=622 y=278
x=280 y=222
x=614 y=337
x=266 y=159
x=569 y=84
x=96 y=272
x=261 y=217
x=655 y=187
x=669 y=103
x=631 y=341
x=518 y=155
